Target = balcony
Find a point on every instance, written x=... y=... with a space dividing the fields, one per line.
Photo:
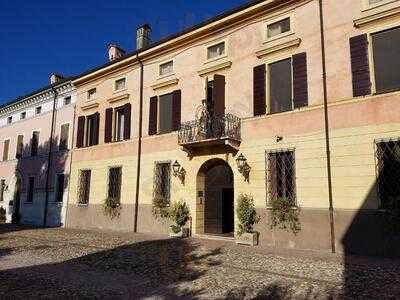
x=206 y=135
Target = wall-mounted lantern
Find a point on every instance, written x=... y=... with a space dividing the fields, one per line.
x=243 y=167
x=179 y=171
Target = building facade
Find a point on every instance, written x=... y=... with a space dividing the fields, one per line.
x=315 y=123
x=36 y=136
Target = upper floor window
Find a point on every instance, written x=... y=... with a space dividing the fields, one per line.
x=60 y=188
x=35 y=143
x=64 y=134
x=23 y=115
x=91 y=94
x=215 y=51
x=87 y=133
x=118 y=124
x=120 y=84
x=9 y=120
x=6 y=148
x=386 y=49
x=166 y=68
x=67 y=100
x=20 y=146
x=38 y=110
x=278 y=28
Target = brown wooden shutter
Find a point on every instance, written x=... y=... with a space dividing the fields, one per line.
x=176 y=110
x=219 y=95
x=108 y=126
x=360 y=65
x=127 y=124
x=80 y=133
x=96 y=122
x=153 y=116
x=259 y=93
x=300 y=84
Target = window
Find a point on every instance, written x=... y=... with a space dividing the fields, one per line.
x=23 y=115
x=386 y=49
x=6 y=149
x=60 y=187
x=2 y=189
x=165 y=114
x=20 y=146
x=38 y=110
x=216 y=50
x=31 y=185
x=119 y=124
x=9 y=120
x=67 y=100
x=90 y=131
x=278 y=28
x=281 y=176
x=166 y=68
x=64 y=134
x=114 y=182
x=84 y=187
x=280 y=86
x=162 y=183
x=120 y=84
x=91 y=94
x=388 y=172
x=35 y=143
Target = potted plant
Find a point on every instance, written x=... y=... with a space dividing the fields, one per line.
x=179 y=214
x=247 y=216
x=285 y=215
x=3 y=217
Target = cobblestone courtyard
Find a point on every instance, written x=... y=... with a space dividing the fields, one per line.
x=59 y=263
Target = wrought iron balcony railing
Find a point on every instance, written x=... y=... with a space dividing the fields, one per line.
x=227 y=127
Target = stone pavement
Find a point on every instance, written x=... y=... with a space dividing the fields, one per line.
x=61 y=263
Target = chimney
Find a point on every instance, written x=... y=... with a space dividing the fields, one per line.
x=54 y=78
x=115 y=52
x=143 y=36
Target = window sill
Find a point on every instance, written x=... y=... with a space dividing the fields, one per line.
x=118 y=98
x=165 y=83
x=161 y=77
x=369 y=17
x=119 y=91
x=293 y=43
x=211 y=60
x=90 y=105
x=215 y=67
x=278 y=37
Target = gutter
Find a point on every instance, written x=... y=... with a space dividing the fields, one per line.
x=49 y=160
x=139 y=153
x=327 y=137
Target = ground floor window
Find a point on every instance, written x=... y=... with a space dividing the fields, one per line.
x=114 y=182
x=2 y=188
x=280 y=176
x=388 y=172
x=60 y=187
x=162 y=182
x=84 y=187
x=31 y=185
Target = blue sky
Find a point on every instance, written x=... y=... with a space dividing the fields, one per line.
x=38 y=37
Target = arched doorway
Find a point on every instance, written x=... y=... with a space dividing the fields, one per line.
x=215 y=185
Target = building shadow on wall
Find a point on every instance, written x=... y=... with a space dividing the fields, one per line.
x=149 y=269
x=375 y=233
x=31 y=168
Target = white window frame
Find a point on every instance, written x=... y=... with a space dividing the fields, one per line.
x=94 y=94
x=214 y=44
x=267 y=82
x=115 y=84
x=371 y=52
x=275 y=20
x=366 y=6
x=164 y=63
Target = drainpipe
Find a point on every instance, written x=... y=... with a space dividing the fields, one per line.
x=327 y=138
x=50 y=155
x=139 y=153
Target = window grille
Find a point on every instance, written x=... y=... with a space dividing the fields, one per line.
x=2 y=188
x=84 y=187
x=162 y=183
x=114 y=182
x=280 y=176
x=388 y=171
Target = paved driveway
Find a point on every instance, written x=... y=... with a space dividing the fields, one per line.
x=60 y=263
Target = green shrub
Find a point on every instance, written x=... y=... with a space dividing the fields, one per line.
x=160 y=208
x=246 y=213
x=2 y=215
x=285 y=215
x=179 y=214
x=112 y=207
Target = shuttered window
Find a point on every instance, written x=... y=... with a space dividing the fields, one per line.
x=280 y=86
x=84 y=187
x=60 y=187
x=114 y=182
x=64 y=134
x=31 y=186
x=360 y=65
x=165 y=114
x=20 y=146
x=119 y=124
x=386 y=51
x=153 y=115
x=92 y=130
x=6 y=149
x=35 y=143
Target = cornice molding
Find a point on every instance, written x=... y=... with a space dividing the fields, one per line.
x=280 y=47
x=165 y=83
x=375 y=17
x=91 y=105
x=118 y=98
x=216 y=67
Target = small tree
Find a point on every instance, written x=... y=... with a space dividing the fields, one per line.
x=179 y=214
x=285 y=215
x=247 y=214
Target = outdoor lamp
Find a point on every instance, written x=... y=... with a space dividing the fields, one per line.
x=179 y=171
x=243 y=166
